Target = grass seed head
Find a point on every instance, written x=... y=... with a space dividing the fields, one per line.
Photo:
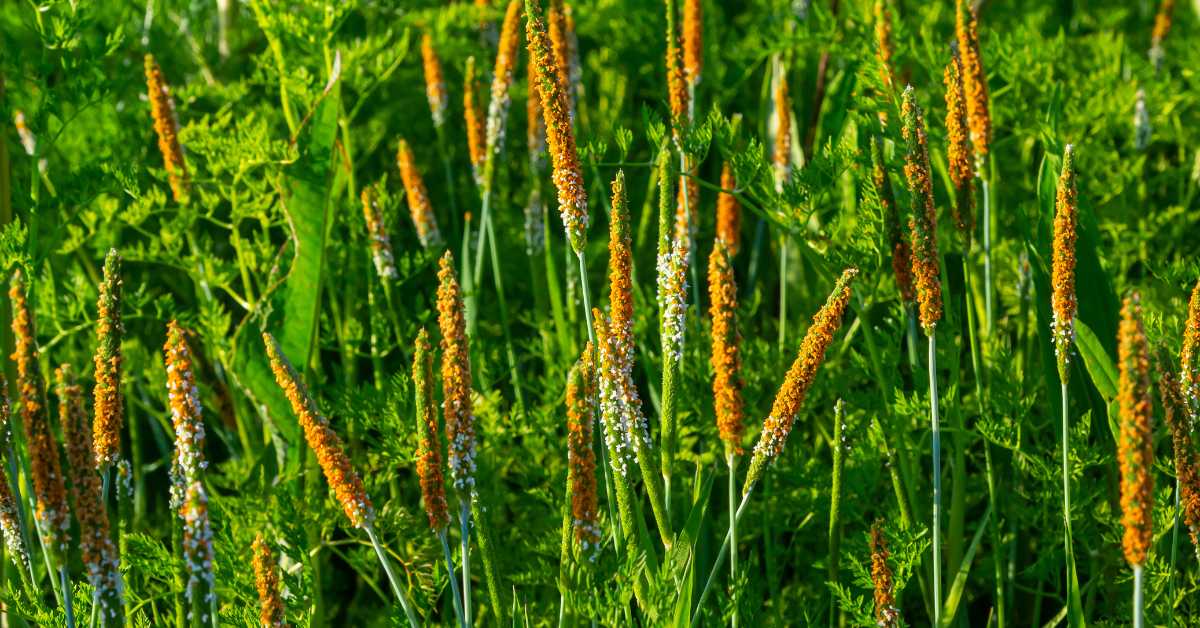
x=266 y=580
x=1162 y=26
x=343 y=480
x=729 y=212
x=559 y=31
x=1062 y=296
x=435 y=84
x=677 y=92
x=381 y=244
x=726 y=358
x=799 y=378
x=620 y=273
x=429 y=447
x=884 y=48
x=782 y=156
x=897 y=238
x=1136 y=441
x=567 y=175
x=535 y=130
x=456 y=377
x=1189 y=357
x=476 y=138
x=886 y=613
x=922 y=224
x=419 y=206
x=184 y=400
x=502 y=78
x=966 y=29
x=693 y=40
x=108 y=405
x=958 y=150
x=581 y=460
x=198 y=556
x=1185 y=454
x=10 y=525
x=45 y=467
x=166 y=126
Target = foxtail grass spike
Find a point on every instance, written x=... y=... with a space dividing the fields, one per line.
x=884 y=48
x=381 y=244
x=620 y=275
x=979 y=117
x=567 y=175
x=1136 y=442
x=502 y=78
x=729 y=212
x=613 y=412
x=419 y=207
x=1062 y=279
x=677 y=92
x=962 y=174
x=343 y=480
x=535 y=130
x=897 y=239
x=1189 y=358
x=782 y=155
x=476 y=137
x=166 y=125
x=581 y=460
x=799 y=378
x=95 y=544
x=1162 y=26
x=1184 y=448
x=184 y=400
x=435 y=84
x=922 y=224
x=693 y=41
x=429 y=448
x=560 y=43
x=726 y=358
x=266 y=580
x=108 y=405
x=672 y=300
x=45 y=467
x=887 y=615
x=456 y=377
x=198 y=555
x=10 y=525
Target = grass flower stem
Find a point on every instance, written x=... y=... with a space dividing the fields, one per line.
x=732 y=461
x=64 y=580
x=937 y=481
x=910 y=311
x=464 y=518
x=387 y=569
x=1174 y=550
x=989 y=315
x=1073 y=603
x=783 y=255
x=485 y=226
x=24 y=522
x=1138 y=577
x=587 y=299
x=726 y=546
x=835 y=525
x=458 y=608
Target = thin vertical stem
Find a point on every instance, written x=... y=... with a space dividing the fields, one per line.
x=387 y=569
x=65 y=582
x=587 y=299
x=987 y=257
x=937 y=481
x=731 y=459
x=1174 y=549
x=835 y=526
x=458 y=609
x=1137 y=597
x=783 y=255
x=910 y=312
x=726 y=546
x=464 y=518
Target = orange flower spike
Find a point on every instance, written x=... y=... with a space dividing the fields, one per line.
x=677 y=92
x=1185 y=454
x=782 y=155
x=1135 y=445
x=10 y=526
x=883 y=42
x=1062 y=296
x=502 y=78
x=108 y=406
x=435 y=84
x=922 y=224
x=381 y=244
x=95 y=544
x=184 y=400
x=166 y=126
x=974 y=78
x=726 y=358
x=886 y=613
x=693 y=41
x=568 y=175
x=901 y=249
x=476 y=140
x=456 y=377
x=1189 y=357
x=581 y=418
x=343 y=480
x=266 y=580
x=429 y=448
x=198 y=556
x=620 y=272
x=1162 y=25
x=535 y=130
x=556 y=21
x=958 y=150
x=419 y=207
x=45 y=467
x=799 y=378
x=729 y=212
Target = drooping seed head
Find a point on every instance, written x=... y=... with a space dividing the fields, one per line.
x=922 y=224
x=782 y=155
x=381 y=244
x=429 y=448
x=109 y=405
x=799 y=378
x=456 y=377
x=184 y=400
x=1189 y=358
x=897 y=239
x=45 y=467
x=568 y=176
x=476 y=138
x=958 y=149
x=886 y=613
x=1184 y=449
x=979 y=117
x=266 y=580
x=435 y=85
x=1062 y=295
x=729 y=212
x=418 y=198
x=1136 y=441
x=726 y=357
x=343 y=480
x=166 y=126
x=95 y=544
x=581 y=460
x=502 y=78
x=198 y=556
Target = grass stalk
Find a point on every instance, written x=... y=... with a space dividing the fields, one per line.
x=387 y=569
x=732 y=461
x=1138 y=602
x=1074 y=604
x=783 y=255
x=1174 y=550
x=726 y=546
x=587 y=299
x=64 y=581
x=497 y=279
x=464 y=519
x=937 y=481
x=989 y=315
x=835 y=524
x=458 y=609
x=483 y=538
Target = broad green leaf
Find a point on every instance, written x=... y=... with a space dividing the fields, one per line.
x=1097 y=361
x=964 y=569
